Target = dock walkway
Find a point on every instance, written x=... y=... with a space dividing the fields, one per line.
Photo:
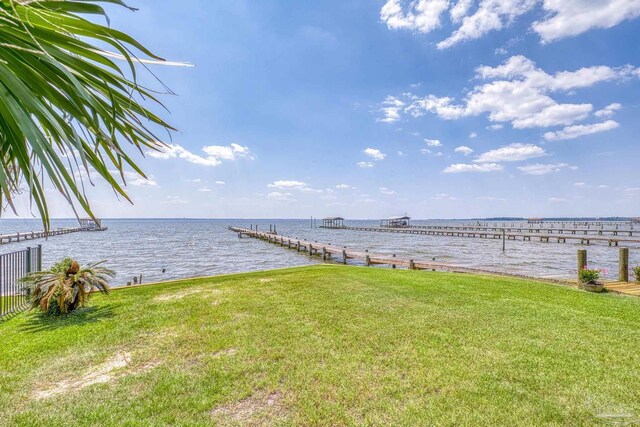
x=31 y=235
x=534 y=229
x=499 y=233
x=340 y=253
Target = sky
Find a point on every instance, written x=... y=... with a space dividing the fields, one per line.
x=368 y=109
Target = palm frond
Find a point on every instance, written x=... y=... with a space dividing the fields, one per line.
x=66 y=286
x=65 y=104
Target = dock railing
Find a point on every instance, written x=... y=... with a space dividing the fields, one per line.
x=13 y=267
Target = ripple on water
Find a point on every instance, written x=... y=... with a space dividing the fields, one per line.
x=188 y=248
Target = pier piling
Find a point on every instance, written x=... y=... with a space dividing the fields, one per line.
x=582 y=262
x=623 y=265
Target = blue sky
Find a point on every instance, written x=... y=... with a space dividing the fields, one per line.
x=368 y=109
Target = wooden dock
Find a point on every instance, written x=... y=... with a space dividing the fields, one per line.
x=540 y=234
x=628 y=288
x=31 y=235
x=535 y=229
x=342 y=254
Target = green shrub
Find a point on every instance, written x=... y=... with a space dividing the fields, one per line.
x=65 y=286
x=589 y=275
x=636 y=273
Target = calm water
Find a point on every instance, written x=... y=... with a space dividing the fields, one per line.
x=188 y=248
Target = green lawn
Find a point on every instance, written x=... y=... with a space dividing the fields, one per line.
x=328 y=345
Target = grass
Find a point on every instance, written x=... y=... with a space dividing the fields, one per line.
x=328 y=345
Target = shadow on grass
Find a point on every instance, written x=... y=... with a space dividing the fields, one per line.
x=38 y=322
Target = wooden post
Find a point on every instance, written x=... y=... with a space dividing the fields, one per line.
x=310 y=249
x=623 y=265
x=503 y=240
x=393 y=265
x=324 y=253
x=344 y=256
x=412 y=266
x=367 y=261
x=582 y=262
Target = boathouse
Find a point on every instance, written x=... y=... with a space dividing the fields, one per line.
x=333 y=222
x=395 y=222
x=90 y=224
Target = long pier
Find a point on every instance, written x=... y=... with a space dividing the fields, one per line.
x=341 y=253
x=533 y=229
x=541 y=234
x=31 y=235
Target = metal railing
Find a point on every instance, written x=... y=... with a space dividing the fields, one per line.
x=13 y=267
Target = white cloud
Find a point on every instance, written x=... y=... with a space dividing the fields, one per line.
x=174 y=200
x=520 y=93
x=608 y=111
x=365 y=165
x=463 y=149
x=220 y=183
x=443 y=196
x=460 y=9
x=562 y=18
x=433 y=142
x=386 y=191
x=579 y=184
x=277 y=195
x=473 y=135
x=511 y=153
x=390 y=109
x=130 y=178
x=571 y=132
x=495 y=127
x=557 y=200
x=343 y=187
x=428 y=152
x=204 y=190
x=215 y=154
x=491 y=198
x=483 y=167
x=374 y=153
x=567 y=18
x=490 y=15
x=542 y=169
x=422 y=15
x=288 y=185
x=292 y=185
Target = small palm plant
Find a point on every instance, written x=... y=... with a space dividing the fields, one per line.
x=66 y=286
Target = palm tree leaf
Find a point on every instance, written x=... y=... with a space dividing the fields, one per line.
x=66 y=104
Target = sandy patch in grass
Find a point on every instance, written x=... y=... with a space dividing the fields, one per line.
x=227 y=352
x=265 y=280
x=258 y=409
x=105 y=372
x=175 y=296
